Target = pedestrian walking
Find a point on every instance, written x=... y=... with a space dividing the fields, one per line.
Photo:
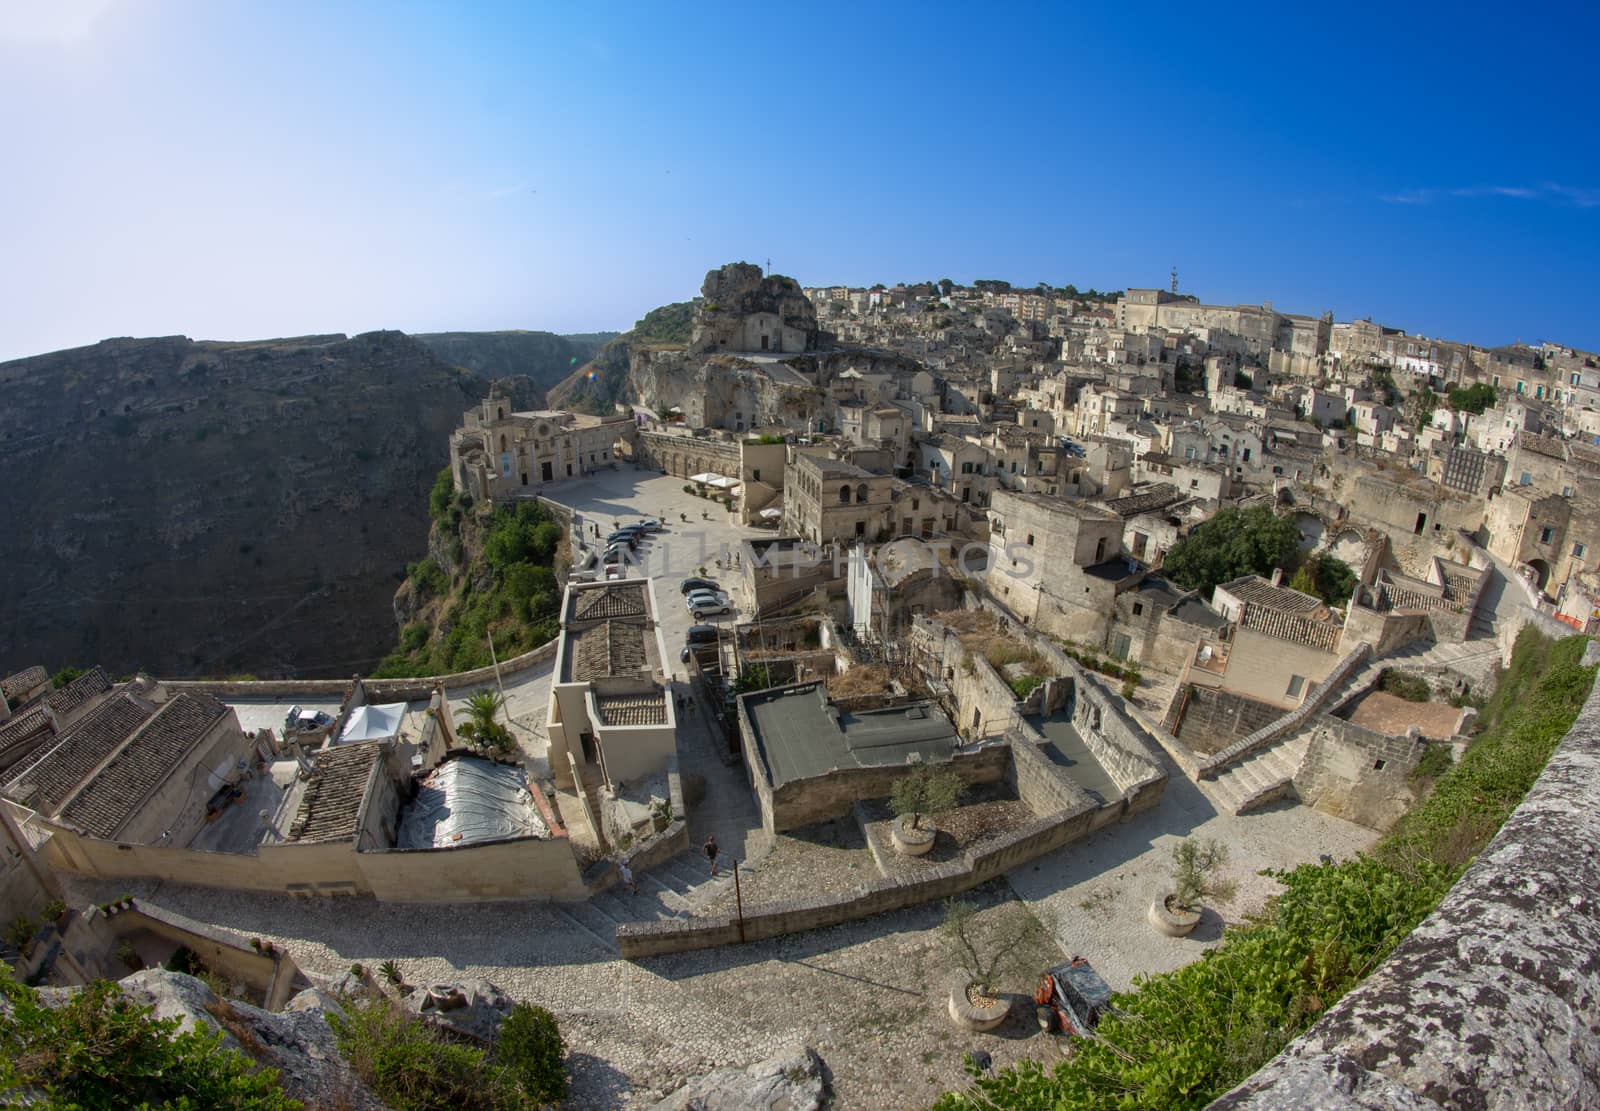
x=627 y=878
x=711 y=852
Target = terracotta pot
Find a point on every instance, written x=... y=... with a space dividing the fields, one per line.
x=1172 y=921
x=910 y=840
x=976 y=1016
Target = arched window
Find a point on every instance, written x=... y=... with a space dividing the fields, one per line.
x=861 y=493
x=844 y=494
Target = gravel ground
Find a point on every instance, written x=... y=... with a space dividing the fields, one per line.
x=825 y=858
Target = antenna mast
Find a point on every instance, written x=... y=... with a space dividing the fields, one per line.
x=1174 y=279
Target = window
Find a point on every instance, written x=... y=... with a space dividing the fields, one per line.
x=1546 y=535
x=756 y=474
x=1566 y=491
x=1377 y=765
x=1100 y=550
x=1526 y=479
x=1297 y=684
x=844 y=495
x=1138 y=609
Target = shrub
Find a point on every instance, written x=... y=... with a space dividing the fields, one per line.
x=411 y=1068
x=1024 y=685
x=1193 y=862
x=442 y=494
x=99 y=1050
x=1412 y=688
x=1435 y=761
x=530 y=1047
x=21 y=931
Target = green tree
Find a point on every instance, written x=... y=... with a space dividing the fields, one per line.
x=442 y=494
x=1234 y=542
x=99 y=1051
x=1326 y=577
x=1472 y=399
x=413 y=1069
x=924 y=790
x=65 y=676
x=986 y=959
x=482 y=729
x=530 y=1046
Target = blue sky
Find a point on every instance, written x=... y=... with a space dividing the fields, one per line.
x=229 y=170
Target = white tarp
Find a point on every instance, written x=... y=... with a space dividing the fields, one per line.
x=723 y=482
x=469 y=800
x=704 y=477
x=772 y=514
x=373 y=723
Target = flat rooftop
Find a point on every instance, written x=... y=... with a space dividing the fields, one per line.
x=801 y=735
x=470 y=800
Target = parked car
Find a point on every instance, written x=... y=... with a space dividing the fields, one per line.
x=587 y=561
x=689 y=586
x=648 y=525
x=707 y=598
x=1070 y=998
x=631 y=539
x=306 y=721
x=708 y=607
x=702 y=634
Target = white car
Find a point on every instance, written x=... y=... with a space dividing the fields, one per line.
x=706 y=598
x=706 y=605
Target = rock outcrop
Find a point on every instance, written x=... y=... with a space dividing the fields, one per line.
x=296 y=1041
x=526 y=364
x=743 y=310
x=204 y=508
x=791 y=1081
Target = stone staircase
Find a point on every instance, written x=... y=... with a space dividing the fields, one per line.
x=1259 y=778
x=680 y=888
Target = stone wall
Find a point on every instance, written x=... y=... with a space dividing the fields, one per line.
x=378 y=690
x=525 y=868
x=1217 y=717
x=937 y=881
x=1385 y=632
x=1341 y=773
x=275 y=974
x=1490 y=1002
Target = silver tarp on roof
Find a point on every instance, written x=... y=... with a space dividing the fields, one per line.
x=468 y=800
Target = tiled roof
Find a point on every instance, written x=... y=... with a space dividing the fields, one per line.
x=1323 y=635
x=51 y=778
x=624 y=599
x=612 y=648
x=21 y=729
x=29 y=678
x=632 y=709
x=105 y=803
x=80 y=690
x=332 y=800
x=1255 y=590
x=1158 y=496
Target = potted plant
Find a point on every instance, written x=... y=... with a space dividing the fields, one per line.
x=390 y=971
x=56 y=911
x=921 y=793
x=1177 y=912
x=974 y=1003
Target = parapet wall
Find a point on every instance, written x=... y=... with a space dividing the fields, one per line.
x=378 y=690
x=1491 y=1001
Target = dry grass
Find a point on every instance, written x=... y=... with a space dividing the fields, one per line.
x=860 y=680
x=983 y=635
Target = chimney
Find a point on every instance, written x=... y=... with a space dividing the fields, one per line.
x=1277 y=576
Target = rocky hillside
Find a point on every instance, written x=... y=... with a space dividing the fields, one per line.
x=543 y=357
x=206 y=508
x=596 y=386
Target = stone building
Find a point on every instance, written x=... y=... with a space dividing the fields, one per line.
x=827 y=500
x=1284 y=643
x=131 y=769
x=498 y=455
x=741 y=310
x=611 y=718
x=1057 y=564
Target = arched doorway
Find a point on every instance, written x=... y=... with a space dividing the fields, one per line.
x=1541 y=572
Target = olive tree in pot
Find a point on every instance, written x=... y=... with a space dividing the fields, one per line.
x=1177 y=912
x=974 y=1002
x=921 y=793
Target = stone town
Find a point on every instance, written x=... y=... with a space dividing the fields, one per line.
x=936 y=520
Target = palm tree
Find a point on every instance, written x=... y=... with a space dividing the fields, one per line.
x=481 y=729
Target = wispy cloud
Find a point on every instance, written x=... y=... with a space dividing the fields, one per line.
x=1549 y=192
x=57 y=21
